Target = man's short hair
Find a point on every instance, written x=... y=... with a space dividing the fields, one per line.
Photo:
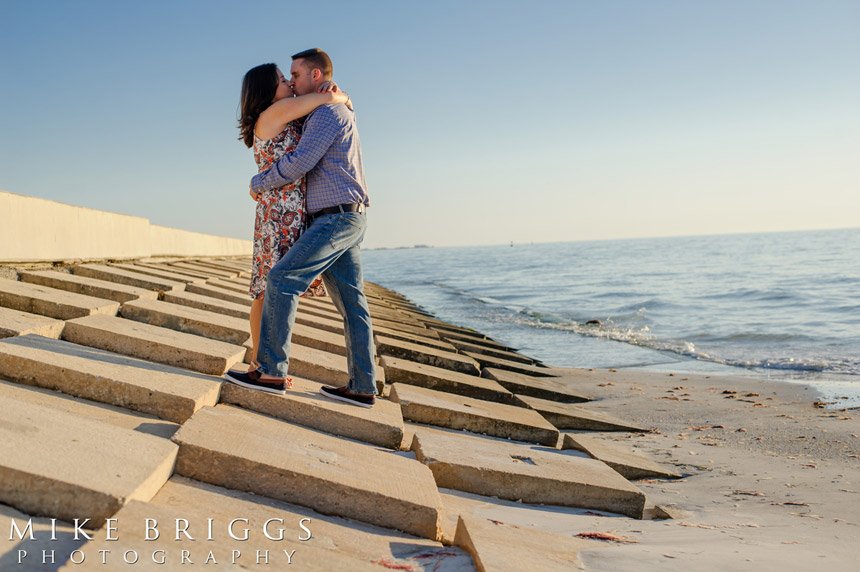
x=316 y=58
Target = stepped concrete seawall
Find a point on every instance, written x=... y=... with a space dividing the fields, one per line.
x=39 y=230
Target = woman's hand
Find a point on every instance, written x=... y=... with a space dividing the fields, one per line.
x=338 y=95
x=254 y=194
x=328 y=87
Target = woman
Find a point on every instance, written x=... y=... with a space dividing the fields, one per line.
x=269 y=124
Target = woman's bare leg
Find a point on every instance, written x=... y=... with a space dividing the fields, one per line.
x=256 y=318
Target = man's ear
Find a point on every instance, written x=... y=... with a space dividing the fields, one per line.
x=316 y=74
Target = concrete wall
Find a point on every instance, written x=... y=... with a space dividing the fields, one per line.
x=38 y=230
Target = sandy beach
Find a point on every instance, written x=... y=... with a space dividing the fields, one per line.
x=771 y=482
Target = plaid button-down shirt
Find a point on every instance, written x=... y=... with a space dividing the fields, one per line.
x=329 y=152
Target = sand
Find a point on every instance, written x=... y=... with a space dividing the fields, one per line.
x=771 y=482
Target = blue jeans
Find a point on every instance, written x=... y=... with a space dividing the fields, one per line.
x=329 y=246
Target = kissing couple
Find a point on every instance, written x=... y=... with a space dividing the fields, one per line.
x=310 y=219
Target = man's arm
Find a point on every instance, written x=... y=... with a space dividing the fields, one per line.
x=320 y=131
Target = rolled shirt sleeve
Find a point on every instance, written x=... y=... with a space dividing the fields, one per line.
x=320 y=130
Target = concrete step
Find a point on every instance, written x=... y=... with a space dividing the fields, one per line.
x=569 y=416
x=542 y=387
x=618 y=456
x=443 y=326
x=413 y=339
x=189 y=320
x=152 y=343
x=514 y=471
x=17 y=323
x=229 y=447
x=242 y=268
x=424 y=354
x=225 y=284
x=382 y=425
x=457 y=412
x=318 y=365
x=336 y=543
x=220 y=294
x=94 y=411
x=166 y=392
x=66 y=466
x=122 y=276
x=87 y=286
x=165 y=268
x=209 y=304
x=408 y=372
x=318 y=339
x=493 y=352
x=496 y=545
x=164 y=274
x=331 y=325
x=58 y=304
x=516 y=367
x=203 y=269
x=404 y=327
x=472 y=339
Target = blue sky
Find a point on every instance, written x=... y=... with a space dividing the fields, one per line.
x=482 y=122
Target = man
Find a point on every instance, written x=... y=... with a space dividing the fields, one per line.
x=329 y=152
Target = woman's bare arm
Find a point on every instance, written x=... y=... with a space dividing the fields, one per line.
x=275 y=118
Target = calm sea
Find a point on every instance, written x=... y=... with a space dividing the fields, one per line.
x=782 y=306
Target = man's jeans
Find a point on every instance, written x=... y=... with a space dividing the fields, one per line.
x=329 y=247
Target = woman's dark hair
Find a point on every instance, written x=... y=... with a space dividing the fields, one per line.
x=258 y=91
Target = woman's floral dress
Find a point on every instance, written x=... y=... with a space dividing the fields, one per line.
x=281 y=213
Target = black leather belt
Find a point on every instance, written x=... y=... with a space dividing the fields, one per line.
x=344 y=208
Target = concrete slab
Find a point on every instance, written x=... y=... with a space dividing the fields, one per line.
x=424 y=354
x=62 y=465
x=209 y=304
x=220 y=293
x=59 y=304
x=229 y=447
x=443 y=326
x=569 y=416
x=457 y=412
x=166 y=268
x=165 y=274
x=166 y=392
x=92 y=410
x=403 y=327
x=382 y=425
x=122 y=276
x=493 y=352
x=542 y=387
x=408 y=372
x=87 y=286
x=497 y=546
x=621 y=458
x=17 y=323
x=516 y=367
x=152 y=343
x=202 y=268
x=244 y=270
x=189 y=320
x=473 y=339
x=318 y=339
x=332 y=325
x=226 y=284
x=406 y=337
x=335 y=543
x=514 y=471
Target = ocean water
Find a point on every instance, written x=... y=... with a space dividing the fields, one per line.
x=782 y=306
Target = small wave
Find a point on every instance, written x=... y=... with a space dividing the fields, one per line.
x=643 y=337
